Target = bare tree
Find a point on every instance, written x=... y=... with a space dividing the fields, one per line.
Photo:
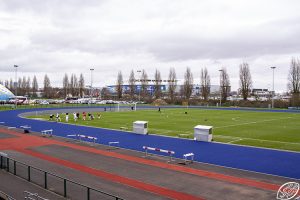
x=245 y=80
x=6 y=83
x=47 y=87
x=205 y=84
x=225 y=84
x=35 y=86
x=23 y=86
x=188 y=83
x=19 y=86
x=105 y=93
x=294 y=81
x=144 y=84
x=74 y=85
x=157 y=87
x=12 y=85
x=81 y=85
x=294 y=76
x=71 y=85
x=131 y=84
x=66 y=84
x=172 y=84
x=120 y=85
x=28 y=86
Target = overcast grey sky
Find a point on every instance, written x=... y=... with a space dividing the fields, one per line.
x=72 y=36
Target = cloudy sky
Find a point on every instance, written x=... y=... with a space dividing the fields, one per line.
x=72 y=36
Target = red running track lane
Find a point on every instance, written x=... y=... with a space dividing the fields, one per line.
x=113 y=177
x=25 y=141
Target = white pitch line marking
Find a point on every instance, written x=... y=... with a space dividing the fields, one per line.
x=234 y=141
x=267 y=120
x=272 y=141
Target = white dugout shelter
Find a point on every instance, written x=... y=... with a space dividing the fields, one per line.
x=203 y=133
x=140 y=127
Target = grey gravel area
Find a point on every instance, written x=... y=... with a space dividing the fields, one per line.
x=178 y=181
x=4 y=136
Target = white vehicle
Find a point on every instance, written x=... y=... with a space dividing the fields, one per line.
x=44 y=103
x=101 y=102
x=20 y=100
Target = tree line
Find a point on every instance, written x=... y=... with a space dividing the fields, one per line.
x=185 y=90
x=174 y=90
x=72 y=86
x=75 y=86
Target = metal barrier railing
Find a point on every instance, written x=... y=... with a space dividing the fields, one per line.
x=108 y=107
x=53 y=182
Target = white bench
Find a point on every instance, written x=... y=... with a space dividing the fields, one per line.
x=115 y=143
x=11 y=127
x=187 y=156
x=47 y=132
x=26 y=128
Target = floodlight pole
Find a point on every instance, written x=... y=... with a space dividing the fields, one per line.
x=16 y=77
x=273 y=92
x=221 y=71
x=139 y=71
x=91 y=89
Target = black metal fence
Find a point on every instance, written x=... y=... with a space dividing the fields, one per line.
x=105 y=107
x=64 y=105
x=53 y=182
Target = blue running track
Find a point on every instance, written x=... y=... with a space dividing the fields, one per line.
x=275 y=162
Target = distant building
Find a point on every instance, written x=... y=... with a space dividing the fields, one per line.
x=5 y=94
x=126 y=88
x=214 y=89
x=261 y=93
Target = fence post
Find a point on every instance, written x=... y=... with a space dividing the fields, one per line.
x=15 y=167
x=46 y=183
x=65 y=188
x=28 y=169
x=7 y=164
x=88 y=193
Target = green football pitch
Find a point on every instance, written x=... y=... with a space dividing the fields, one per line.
x=262 y=129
